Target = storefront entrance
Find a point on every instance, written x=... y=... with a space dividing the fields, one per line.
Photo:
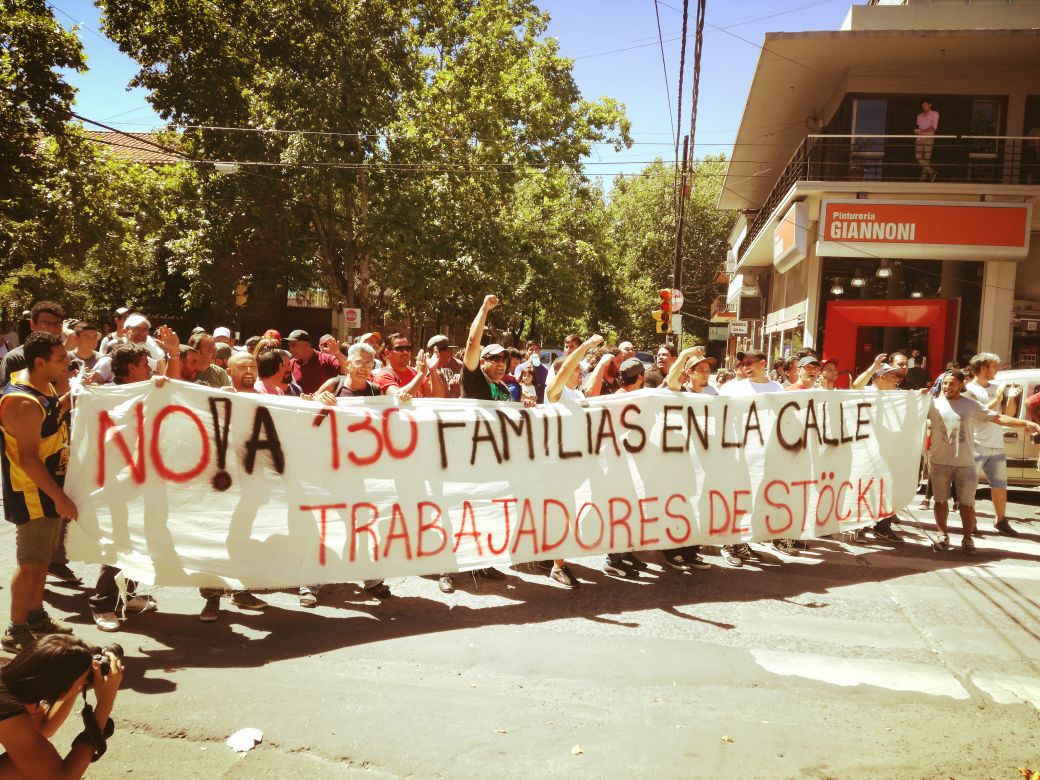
x=856 y=330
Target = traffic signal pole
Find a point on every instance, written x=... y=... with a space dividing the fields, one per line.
x=680 y=218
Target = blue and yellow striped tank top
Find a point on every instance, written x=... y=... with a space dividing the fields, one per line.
x=23 y=500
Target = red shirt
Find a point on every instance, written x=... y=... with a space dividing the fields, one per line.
x=1033 y=407
x=385 y=378
x=799 y=386
x=315 y=372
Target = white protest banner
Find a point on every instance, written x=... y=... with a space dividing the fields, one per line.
x=185 y=485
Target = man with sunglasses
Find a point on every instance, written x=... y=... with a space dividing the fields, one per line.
x=399 y=378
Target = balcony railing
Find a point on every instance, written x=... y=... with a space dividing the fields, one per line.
x=721 y=309
x=963 y=159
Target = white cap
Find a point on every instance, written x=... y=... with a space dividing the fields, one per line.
x=221 y=332
x=135 y=320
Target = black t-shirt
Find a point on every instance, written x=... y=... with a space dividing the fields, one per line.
x=13 y=361
x=9 y=705
x=475 y=384
x=344 y=390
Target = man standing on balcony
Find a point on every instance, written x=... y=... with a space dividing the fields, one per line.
x=927 y=124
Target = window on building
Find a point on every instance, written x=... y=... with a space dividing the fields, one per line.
x=869 y=123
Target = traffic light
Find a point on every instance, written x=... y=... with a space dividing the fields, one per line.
x=242 y=291
x=663 y=316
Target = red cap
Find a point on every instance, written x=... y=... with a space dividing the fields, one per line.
x=272 y=334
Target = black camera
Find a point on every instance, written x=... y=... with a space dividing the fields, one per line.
x=101 y=656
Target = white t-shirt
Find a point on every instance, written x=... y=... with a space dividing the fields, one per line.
x=747 y=387
x=953 y=426
x=571 y=394
x=986 y=434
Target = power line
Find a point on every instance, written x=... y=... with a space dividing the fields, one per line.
x=664 y=68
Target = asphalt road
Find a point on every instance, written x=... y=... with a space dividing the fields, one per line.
x=849 y=661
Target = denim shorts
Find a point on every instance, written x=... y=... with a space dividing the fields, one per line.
x=944 y=477
x=993 y=463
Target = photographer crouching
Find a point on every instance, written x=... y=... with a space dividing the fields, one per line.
x=38 y=690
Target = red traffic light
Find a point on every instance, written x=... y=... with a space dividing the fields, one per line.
x=666 y=300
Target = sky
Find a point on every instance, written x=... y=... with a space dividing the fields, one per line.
x=616 y=52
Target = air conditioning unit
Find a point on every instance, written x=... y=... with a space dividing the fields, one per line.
x=750 y=307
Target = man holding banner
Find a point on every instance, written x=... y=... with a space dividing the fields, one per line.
x=34 y=424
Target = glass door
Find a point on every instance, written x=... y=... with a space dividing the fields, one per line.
x=869 y=123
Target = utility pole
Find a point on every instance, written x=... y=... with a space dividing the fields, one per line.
x=677 y=263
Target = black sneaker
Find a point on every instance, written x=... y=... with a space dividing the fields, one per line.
x=380 y=591
x=884 y=531
x=694 y=561
x=1004 y=528
x=968 y=545
x=785 y=546
x=628 y=559
x=616 y=568
x=62 y=573
x=744 y=551
x=16 y=639
x=675 y=561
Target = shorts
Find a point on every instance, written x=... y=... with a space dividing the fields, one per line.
x=993 y=463
x=964 y=477
x=37 y=540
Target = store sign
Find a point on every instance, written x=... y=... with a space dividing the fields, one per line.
x=738 y=328
x=924 y=230
x=791 y=238
x=718 y=333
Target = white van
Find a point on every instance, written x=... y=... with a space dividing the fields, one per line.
x=1022 y=448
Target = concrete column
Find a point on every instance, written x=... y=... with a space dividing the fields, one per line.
x=813 y=293
x=998 y=303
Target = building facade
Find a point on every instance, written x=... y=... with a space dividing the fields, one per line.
x=888 y=179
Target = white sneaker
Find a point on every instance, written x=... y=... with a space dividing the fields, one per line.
x=138 y=604
x=107 y=621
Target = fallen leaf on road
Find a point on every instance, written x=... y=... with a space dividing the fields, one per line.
x=727 y=739
x=576 y=750
x=500 y=731
x=1029 y=774
x=244 y=740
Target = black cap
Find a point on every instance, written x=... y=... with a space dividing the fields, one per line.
x=753 y=353
x=299 y=335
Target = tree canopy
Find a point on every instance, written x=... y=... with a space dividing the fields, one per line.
x=408 y=157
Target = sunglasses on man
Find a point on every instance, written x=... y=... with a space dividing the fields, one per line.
x=402 y=348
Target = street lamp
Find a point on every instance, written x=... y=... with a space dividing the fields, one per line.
x=837 y=289
x=883 y=271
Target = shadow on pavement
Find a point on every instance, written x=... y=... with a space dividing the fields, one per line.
x=253 y=639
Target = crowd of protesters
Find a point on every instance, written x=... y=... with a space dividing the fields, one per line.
x=966 y=418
